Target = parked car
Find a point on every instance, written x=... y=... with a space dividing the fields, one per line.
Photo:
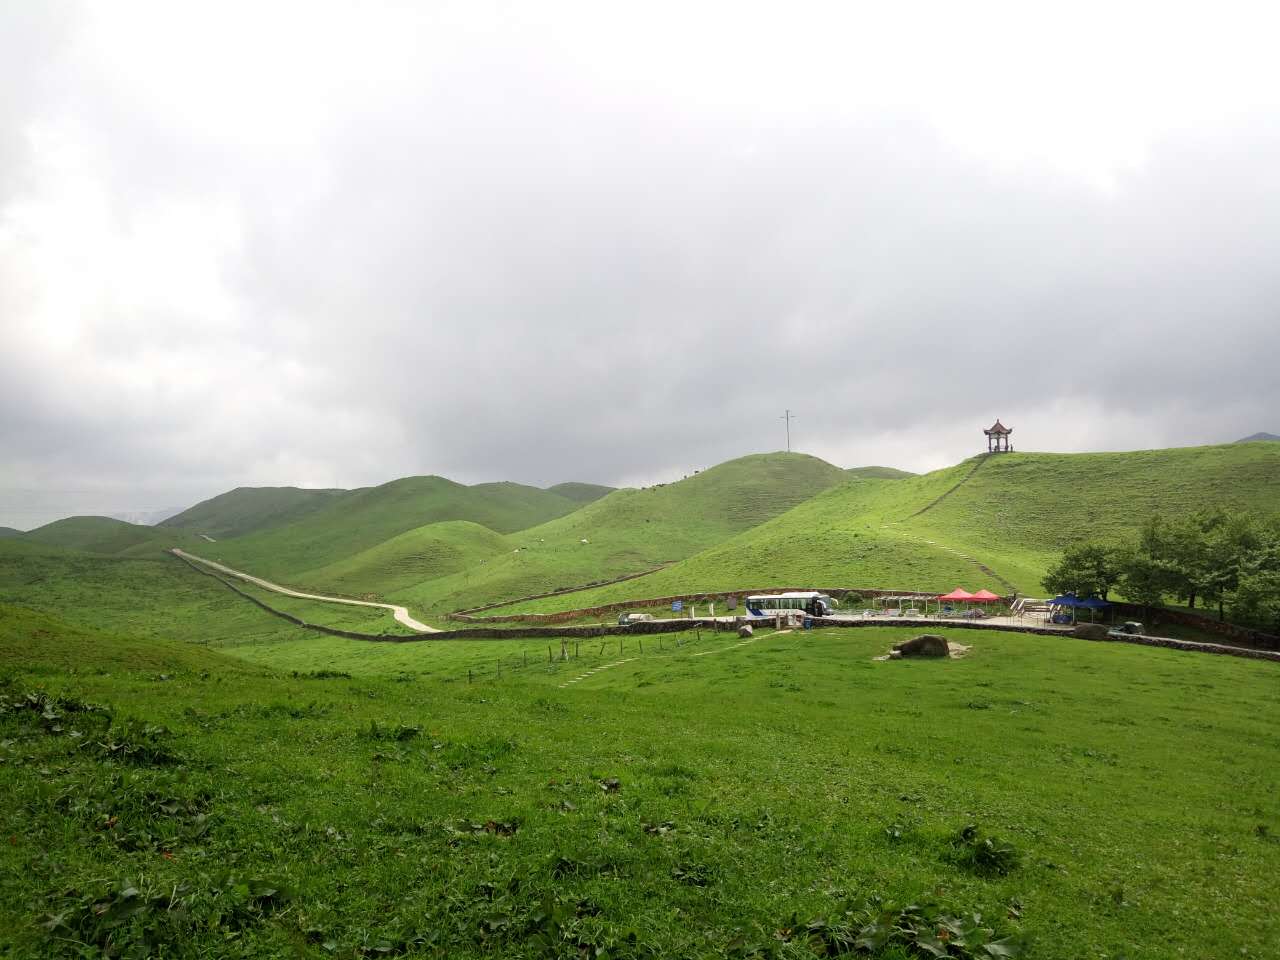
x=629 y=618
x=1131 y=628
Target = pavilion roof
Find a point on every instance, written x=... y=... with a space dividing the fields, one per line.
x=997 y=428
x=959 y=593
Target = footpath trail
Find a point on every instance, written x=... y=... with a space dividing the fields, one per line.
x=401 y=613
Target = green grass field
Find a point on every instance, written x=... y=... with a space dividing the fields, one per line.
x=705 y=800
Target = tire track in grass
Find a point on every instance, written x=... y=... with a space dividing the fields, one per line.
x=669 y=656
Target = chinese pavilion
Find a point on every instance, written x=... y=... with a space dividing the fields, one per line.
x=998 y=438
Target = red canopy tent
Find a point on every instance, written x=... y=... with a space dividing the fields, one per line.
x=959 y=593
x=985 y=596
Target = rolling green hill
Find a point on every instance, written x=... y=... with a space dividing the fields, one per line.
x=580 y=492
x=430 y=551
x=630 y=531
x=110 y=536
x=1012 y=512
x=365 y=518
x=43 y=642
x=250 y=509
x=9 y=532
x=879 y=473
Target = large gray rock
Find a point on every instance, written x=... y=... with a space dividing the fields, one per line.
x=925 y=645
x=1090 y=631
x=745 y=630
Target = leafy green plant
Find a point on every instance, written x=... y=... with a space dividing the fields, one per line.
x=982 y=854
x=137 y=742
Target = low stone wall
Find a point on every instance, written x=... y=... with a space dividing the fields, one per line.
x=1254 y=638
x=561 y=616
x=1166 y=642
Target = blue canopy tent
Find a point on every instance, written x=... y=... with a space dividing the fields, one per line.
x=1073 y=603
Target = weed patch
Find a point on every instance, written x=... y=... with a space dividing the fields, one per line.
x=981 y=854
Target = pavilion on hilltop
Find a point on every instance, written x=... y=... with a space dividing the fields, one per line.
x=998 y=438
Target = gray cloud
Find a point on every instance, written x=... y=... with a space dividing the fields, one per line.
x=488 y=251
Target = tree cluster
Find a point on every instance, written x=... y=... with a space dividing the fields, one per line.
x=1217 y=558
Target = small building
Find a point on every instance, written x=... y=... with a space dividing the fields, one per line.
x=998 y=438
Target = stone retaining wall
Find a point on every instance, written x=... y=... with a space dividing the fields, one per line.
x=1255 y=638
x=934 y=626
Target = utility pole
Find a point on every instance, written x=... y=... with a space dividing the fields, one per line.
x=788 y=416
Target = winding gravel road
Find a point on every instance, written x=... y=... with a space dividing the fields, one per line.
x=401 y=614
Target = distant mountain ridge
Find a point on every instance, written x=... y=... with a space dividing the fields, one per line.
x=246 y=510
x=1258 y=436
x=358 y=520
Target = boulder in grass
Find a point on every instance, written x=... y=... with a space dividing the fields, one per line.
x=745 y=630
x=925 y=645
x=1090 y=631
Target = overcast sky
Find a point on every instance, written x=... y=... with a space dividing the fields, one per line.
x=334 y=244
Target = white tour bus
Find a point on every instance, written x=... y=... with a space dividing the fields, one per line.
x=805 y=601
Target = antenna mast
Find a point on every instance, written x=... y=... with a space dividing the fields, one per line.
x=788 y=416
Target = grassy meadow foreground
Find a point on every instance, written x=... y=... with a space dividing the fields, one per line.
x=701 y=799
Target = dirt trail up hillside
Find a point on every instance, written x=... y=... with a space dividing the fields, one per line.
x=964 y=556
x=401 y=614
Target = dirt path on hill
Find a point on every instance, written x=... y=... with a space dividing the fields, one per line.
x=401 y=614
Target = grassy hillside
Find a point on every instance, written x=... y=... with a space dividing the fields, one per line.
x=580 y=492
x=7 y=532
x=365 y=518
x=678 y=804
x=1012 y=512
x=155 y=599
x=633 y=530
x=107 y=535
x=43 y=643
x=1021 y=509
x=249 y=509
x=430 y=551
x=879 y=473
x=843 y=537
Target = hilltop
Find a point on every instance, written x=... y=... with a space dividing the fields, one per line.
x=247 y=510
x=581 y=492
x=1012 y=513
x=1258 y=436
x=107 y=535
x=630 y=531
x=430 y=551
x=6 y=532
x=365 y=518
x=879 y=473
